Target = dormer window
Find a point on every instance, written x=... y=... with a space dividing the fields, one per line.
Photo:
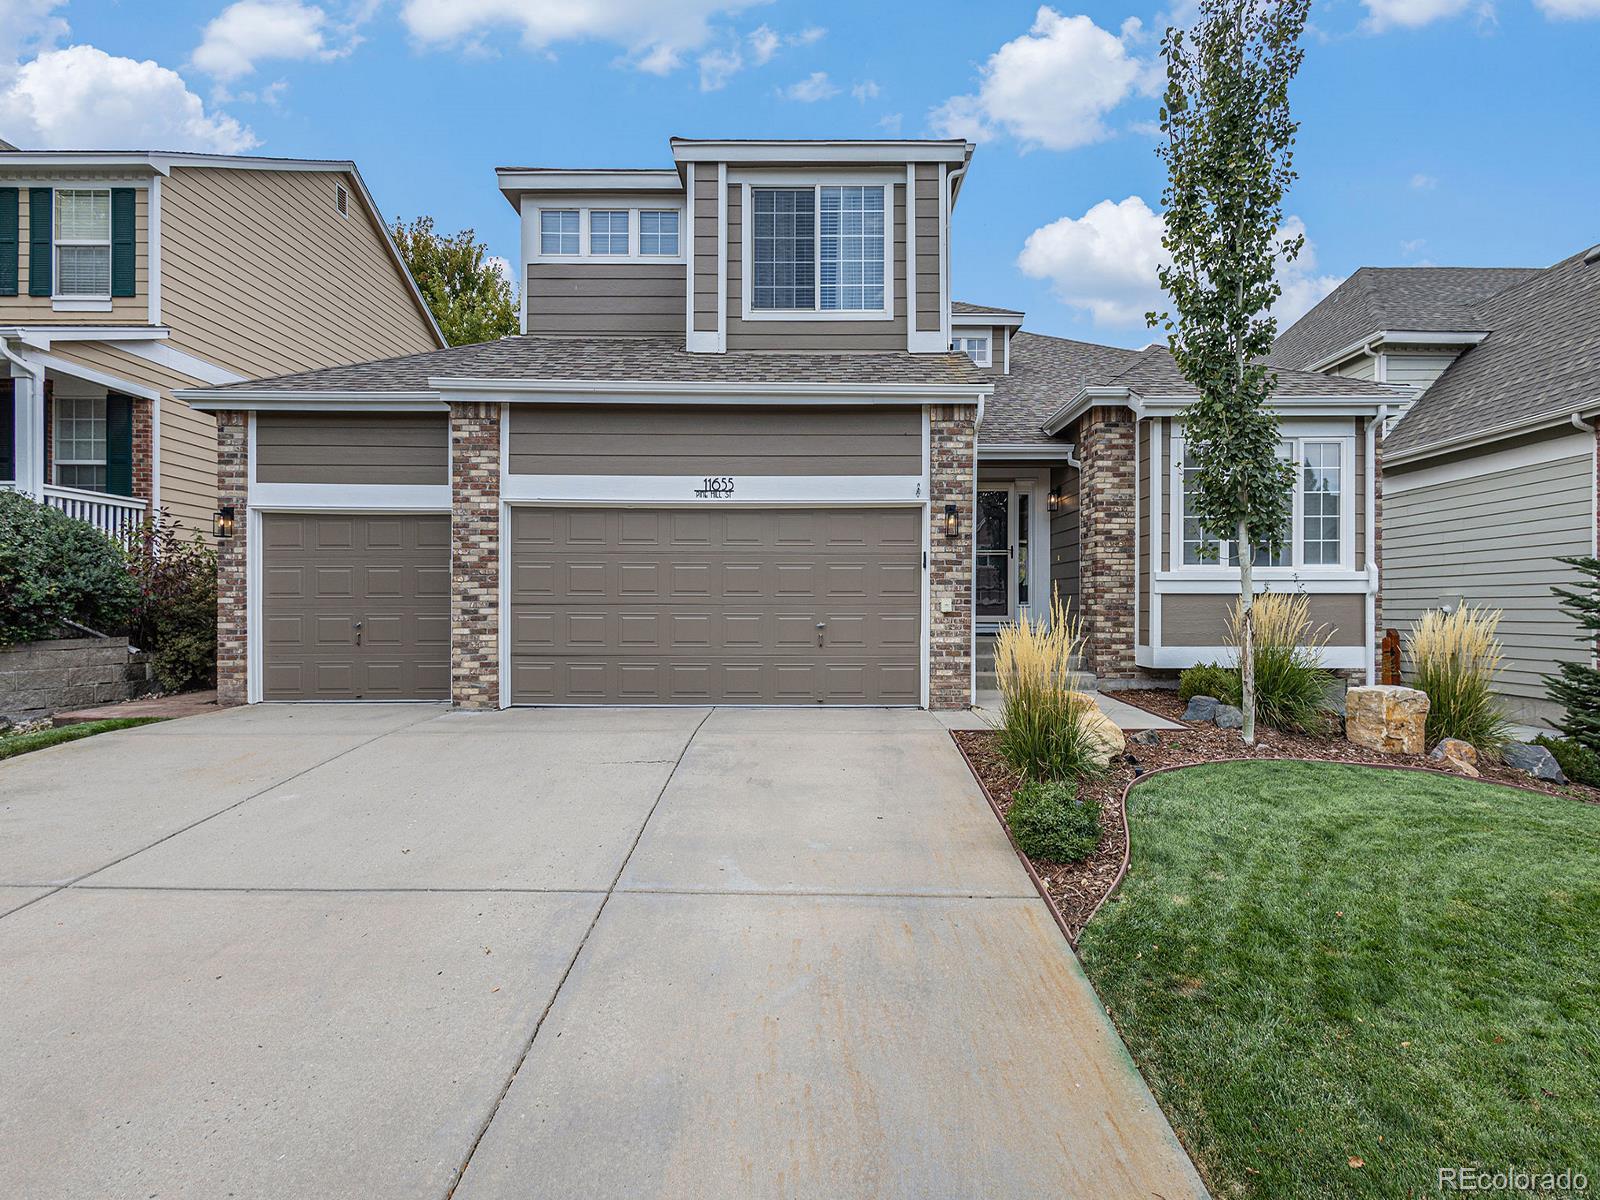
x=975 y=348
x=819 y=249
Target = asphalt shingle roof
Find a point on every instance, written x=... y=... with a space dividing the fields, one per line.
x=962 y=309
x=620 y=360
x=1425 y=299
x=1541 y=359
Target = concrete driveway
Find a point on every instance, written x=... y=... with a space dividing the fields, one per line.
x=392 y=951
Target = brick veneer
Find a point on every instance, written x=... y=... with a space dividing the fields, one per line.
x=1108 y=572
x=233 y=487
x=475 y=555
x=143 y=449
x=952 y=433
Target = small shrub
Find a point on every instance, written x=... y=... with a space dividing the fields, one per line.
x=175 y=617
x=1576 y=685
x=1051 y=822
x=1578 y=763
x=1042 y=731
x=1209 y=679
x=1291 y=688
x=1455 y=657
x=54 y=569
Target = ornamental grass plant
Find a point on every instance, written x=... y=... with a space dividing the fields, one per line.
x=1455 y=658
x=1043 y=732
x=1291 y=685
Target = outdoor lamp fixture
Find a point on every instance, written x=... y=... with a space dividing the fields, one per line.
x=952 y=521
x=222 y=522
x=1055 y=499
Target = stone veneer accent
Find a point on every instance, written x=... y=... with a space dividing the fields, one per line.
x=952 y=434
x=475 y=555
x=233 y=487
x=1107 y=517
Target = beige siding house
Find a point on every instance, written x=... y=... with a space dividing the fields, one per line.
x=126 y=278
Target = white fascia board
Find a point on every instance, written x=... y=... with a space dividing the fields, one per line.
x=1014 y=452
x=900 y=151
x=1587 y=410
x=95 y=159
x=573 y=391
x=42 y=335
x=1288 y=406
x=516 y=182
x=1086 y=399
x=115 y=382
x=975 y=320
x=266 y=400
x=1397 y=337
x=193 y=366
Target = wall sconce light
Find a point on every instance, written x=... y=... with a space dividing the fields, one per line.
x=1055 y=500
x=222 y=522
x=952 y=521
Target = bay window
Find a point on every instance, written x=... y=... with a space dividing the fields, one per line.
x=819 y=248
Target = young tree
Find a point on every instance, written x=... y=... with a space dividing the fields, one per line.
x=470 y=299
x=1228 y=152
x=1577 y=685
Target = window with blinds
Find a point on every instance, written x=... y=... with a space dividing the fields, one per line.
x=83 y=242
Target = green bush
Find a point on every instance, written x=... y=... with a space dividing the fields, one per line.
x=1578 y=763
x=1291 y=688
x=1210 y=679
x=1051 y=822
x=175 y=617
x=55 y=569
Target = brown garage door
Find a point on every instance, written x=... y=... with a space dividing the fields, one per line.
x=355 y=607
x=697 y=606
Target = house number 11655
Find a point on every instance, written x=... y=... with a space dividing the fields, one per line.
x=715 y=486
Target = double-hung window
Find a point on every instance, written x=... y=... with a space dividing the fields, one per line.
x=83 y=243
x=818 y=248
x=558 y=231
x=608 y=231
x=975 y=348
x=80 y=450
x=658 y=232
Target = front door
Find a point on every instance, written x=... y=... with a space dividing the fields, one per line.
x=996 y=553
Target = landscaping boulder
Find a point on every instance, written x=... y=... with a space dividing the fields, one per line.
x=1146 y=737
x=1202 y=708
x=1103 y=732
x=1229 y=717
x=1535 y=760
x=1461 y=757
x=1387 y=717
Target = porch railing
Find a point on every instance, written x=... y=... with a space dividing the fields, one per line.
x=117 y=516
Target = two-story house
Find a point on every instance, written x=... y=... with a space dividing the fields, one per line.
x=746 y=450
x=126 y=277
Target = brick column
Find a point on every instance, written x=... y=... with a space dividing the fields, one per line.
x=1109 y=574
x=144 y=465
x=953 y=433
x=233 y=487
x=475 y=555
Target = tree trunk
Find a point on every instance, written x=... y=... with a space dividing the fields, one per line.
x=1247 y=635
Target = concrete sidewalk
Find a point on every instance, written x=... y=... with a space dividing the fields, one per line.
x=394 y=951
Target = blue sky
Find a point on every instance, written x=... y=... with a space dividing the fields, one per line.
x=1433 y=131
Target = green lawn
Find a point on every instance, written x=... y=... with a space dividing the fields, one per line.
x=21 y=743
x=1315 y=964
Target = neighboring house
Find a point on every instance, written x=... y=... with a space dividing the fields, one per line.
x=126 y=277
x=1490 y=475
x=747 y=450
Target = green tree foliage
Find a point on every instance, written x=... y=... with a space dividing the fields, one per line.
x=175 y=615
x=470 y=299
x=1577 y=685
x=55 y=569
x=1228 y=153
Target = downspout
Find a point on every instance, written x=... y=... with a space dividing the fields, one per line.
x=1373 y=565
x=1594 y=482
x=952 y=186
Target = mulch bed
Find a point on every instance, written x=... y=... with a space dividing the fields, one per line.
x=1078 y=889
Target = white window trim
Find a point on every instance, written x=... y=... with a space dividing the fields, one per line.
x=1296 y=567
x=632 y=208
x=986 y=358
x=77 y=301
x=816 y=182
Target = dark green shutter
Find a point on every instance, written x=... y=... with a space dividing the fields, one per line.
x=10 y=224
x=41 y=220
x=122 y=241
x=119 y=445
x=8 y=430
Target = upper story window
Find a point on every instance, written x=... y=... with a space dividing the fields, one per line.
x=819 y=248
x=83 y=242
x=975 y=348
x=558 y=231
x=658 y=232
x=80 y=450
x=608 y=231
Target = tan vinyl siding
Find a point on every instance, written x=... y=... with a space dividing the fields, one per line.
x=352 y=448
x=1143 y=503
x=1415 y=368
x=1064 y=541
x=812 y=335
x=929 y=253
x=704 y=223
x=188 y=438
x=23 y=309
x=605 y=298
x=1492 y=539
x=695 y=442
x=1202 y=619
x=262 y=276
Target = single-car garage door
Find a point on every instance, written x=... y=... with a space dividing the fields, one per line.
x=715 y=606
x=355 y=607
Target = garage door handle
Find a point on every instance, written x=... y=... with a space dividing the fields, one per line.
x=821 y=625
x=358 y=633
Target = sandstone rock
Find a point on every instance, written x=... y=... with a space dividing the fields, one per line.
x=1103 y=732
x=1459 y=756
x=1202 y=708
x=1229 y=717
x=1535 y=760
x=1387 y=717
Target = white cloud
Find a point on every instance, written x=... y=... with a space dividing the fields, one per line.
x=83 y=98
x=1569 y=10
x=655 y=34
x=245 y=33
x=1413 y=14
x=891 y=123
x=1053 y=86
x=27 y=27
x=815 y=86
x=1106 y=262
x=867 y=89
x=1423 y=183
x=762 y=44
